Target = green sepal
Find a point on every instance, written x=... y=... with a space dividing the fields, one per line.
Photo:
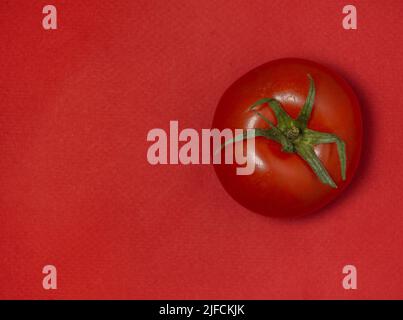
x=306 y=152
x=316 y=137
x=306 y=110
x=283 y=119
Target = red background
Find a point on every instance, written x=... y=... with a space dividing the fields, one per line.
x=76 y=189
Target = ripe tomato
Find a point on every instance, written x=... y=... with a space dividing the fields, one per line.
x=291 y=182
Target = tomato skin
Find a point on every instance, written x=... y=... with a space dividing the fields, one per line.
x=283 y=185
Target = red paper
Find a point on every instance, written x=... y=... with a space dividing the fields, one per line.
x=77 y=192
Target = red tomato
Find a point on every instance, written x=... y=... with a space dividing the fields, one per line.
x=285 y=184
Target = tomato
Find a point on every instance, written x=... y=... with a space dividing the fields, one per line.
x=324 y=142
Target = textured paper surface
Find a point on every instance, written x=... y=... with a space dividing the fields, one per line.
x=76 y=190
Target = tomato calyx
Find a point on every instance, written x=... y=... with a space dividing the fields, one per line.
x=295 y=136
x=292 y=133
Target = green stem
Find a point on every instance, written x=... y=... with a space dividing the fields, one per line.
x=295 y=136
